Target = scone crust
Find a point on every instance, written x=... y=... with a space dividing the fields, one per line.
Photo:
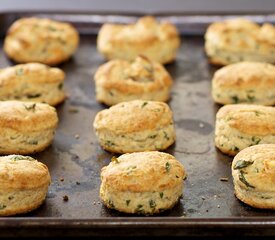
x=143 y=172
x=137 y=79
x=27 y=116
x=242 y=38
x=249 y=119
x=253 y=171
x=157 y=41
x=245 y=82
x=142 y=183
x=134 y=116
x=40 y=40
x=22 y=172
x=24 y=184
x=32 y=82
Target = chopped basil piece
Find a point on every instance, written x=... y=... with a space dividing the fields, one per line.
x=11 y=197
x=128 y=202
x=2 y=206
x=235 y=99
x=110 y=92
x=235 y=149
x=33 y=95
x=152 y=204
x=161 y=194
x=19 y=157
x=52 y=28
x=60 y=86
x=167 y=166
x=144 y=104
x=242 y=164
x=251 y=98
x=243 y=180
x=30 y=107
x=256 y=140
x=109 y=143
x=33 y=142
x=166 y=136
x=111 y=204
x=153 y=136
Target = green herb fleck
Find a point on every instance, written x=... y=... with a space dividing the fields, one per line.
x=161 y=194
x=110 y=92
x=256 y=140
x=144 y=104
x=235 y=99
x=30 y=107
x=111 y=204
x=2 y=206
x=167 y=166
x=34 y=95
x=152 y=204
x=177 y=176
x=60 y=86
x=128 y=202
x=19 y=157
x=139 y=209
x=33 y=142
x=52 y=28
x=153 y=136
x=11 y=197
x=235 y=149
x=243 y=180
x=242 y=164
x=166 y=136
x=19 y=71
x=109 y=143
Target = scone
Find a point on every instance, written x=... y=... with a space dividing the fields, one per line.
x=26 y=127
x=237 y=40
x=157 y=41
x=33 y=82
x=135 y=126
x=239 y=126
x=253 y=171
x=142 y=183
x=245 y=82
x=120 y=81
x=40 y=40
x=24 y=184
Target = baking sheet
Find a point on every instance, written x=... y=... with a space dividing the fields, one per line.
x=75 y=157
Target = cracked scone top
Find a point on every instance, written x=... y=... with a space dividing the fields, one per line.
x=120 y=80
x=24 y=184
x=142 y=183
x=253 y=171
x=135 y=126
x=157 y=41
x=40 y=40
x=236 y=40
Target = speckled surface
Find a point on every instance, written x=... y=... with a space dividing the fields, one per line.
x=76 y=157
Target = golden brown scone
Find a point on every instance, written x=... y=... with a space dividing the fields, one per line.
x=24 y=184
x=33 y=82
x=239 y=126
x=237 y=40
x=40 y=40
x=26 y=127
x=253 y=171
x=120 y=81
x=157 y=41
x=135 y=126
x=142 y=183
x=245 y=82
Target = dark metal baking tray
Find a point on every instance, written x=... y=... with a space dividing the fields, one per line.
x=75 y=158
